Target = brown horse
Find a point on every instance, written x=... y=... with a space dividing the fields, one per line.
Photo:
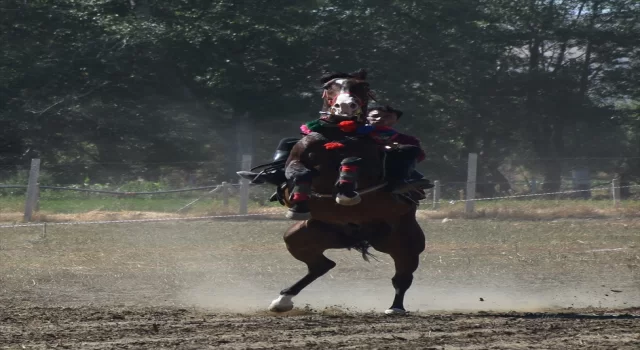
x=380 y=219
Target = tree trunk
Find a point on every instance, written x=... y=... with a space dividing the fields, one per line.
x=552 y=173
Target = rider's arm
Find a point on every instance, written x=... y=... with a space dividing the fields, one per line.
x=410 y=140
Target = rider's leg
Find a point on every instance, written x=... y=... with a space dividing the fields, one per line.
x=284 y=148
x=281 y=154
x=416 y=175
x=401 y=173
x=275 y=176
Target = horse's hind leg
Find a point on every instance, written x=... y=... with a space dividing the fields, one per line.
x=405 y=265
x=307 y=242
x=404 y=245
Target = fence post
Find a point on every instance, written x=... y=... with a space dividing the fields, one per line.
x=436 y=194
x=244 y=185
x=615 y=192
x=32 y=190
x=534 y=185
x=471 y=183
x=224 y=188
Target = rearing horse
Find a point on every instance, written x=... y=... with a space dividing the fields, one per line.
x=379 y=220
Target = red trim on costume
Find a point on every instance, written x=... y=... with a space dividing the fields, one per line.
x=299 y=197
x=333 y=145
x=348 y=126
x=349 y=168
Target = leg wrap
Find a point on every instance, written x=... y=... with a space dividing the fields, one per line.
x=347 y=182
x=300 y=177
x=349 y=172
x=301 y=191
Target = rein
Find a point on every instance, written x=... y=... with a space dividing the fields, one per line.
x=360 y=191
x=317 y=195
x=337 y=118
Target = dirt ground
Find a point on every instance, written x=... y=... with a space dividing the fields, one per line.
x=482 y=284
x=178 y=328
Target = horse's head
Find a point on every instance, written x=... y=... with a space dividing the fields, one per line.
x=347 y=96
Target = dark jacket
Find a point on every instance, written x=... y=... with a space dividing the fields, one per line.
x=404 y=139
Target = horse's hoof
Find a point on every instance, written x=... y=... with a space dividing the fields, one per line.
x=282 y=304
x=395 y=312
x=348 y=201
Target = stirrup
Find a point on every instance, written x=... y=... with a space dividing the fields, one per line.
x=276 y=197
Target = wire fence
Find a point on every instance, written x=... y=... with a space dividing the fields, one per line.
x=270 y=215
x=597 y=190
x=129 y=177
x=606 y=190
x=186 y=197
x=120 y=193
x=523 y=175
x=222 y=197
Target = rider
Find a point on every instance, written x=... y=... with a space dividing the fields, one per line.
x=275 y=174
x=406 y=152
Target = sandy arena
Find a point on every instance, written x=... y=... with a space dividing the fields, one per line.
x=195 y=285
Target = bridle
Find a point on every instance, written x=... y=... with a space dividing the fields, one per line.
x=331 y=101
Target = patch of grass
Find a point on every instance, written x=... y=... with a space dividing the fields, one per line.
x=535 y=209
x=55 y=203
x=54 y=206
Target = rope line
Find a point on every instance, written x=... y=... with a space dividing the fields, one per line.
x=195 y=218
x=538 y=194
x=123 y=193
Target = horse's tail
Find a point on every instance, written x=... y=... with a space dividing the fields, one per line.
x=354 y=239
x=362 y=247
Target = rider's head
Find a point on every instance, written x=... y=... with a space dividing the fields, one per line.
x=383 y=116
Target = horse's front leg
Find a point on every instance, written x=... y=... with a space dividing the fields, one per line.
x=300 y=176
x=347 y=182
x=307 y=242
